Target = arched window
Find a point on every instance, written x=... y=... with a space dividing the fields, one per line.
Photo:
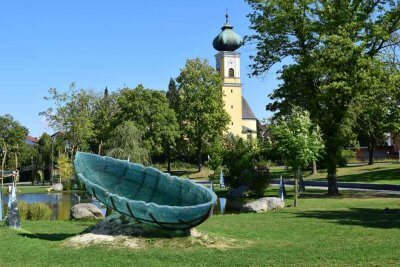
x=231 y=73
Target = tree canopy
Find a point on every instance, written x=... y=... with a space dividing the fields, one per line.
x=200 y=112
x=72 y=114
x=125 y=142
x=152 y=115
x=332 y=47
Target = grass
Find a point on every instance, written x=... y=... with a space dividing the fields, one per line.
x=350 y=229
x=382 y=173
x=25 y=189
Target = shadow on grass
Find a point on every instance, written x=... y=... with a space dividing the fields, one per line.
x=371 y=218
x=372 y=175
x=48 y=237
x=185 y=172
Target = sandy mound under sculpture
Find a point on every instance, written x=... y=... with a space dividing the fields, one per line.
x=119 y=231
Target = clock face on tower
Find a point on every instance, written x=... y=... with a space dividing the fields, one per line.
x=231 y=62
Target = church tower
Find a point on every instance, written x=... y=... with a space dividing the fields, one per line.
x=228 y=65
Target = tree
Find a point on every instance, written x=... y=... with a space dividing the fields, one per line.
x=201 y=112
x=45 y=156
x=298 y=140
x=380 y=112
x=126 y=143
x=72 y=115
x=332 y=46
x=105 y=109
x=150 y=111
x=12 y=141
x=173 y=94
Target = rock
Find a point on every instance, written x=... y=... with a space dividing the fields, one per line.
x=239 y=191
x=264 y=204
x=57 y=187
x=86 y=211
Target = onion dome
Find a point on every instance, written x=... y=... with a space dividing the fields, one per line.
x=227 y=40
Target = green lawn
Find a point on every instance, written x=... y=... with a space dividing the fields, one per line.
x=382 y=173
x=351 y=229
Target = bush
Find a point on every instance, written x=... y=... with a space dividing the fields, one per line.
x=65 y=169
x=23 y=209
x=39 y=212
x=240 y=161
x=345 y=155
x=34 y=212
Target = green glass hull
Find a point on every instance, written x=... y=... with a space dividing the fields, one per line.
x=145 y=193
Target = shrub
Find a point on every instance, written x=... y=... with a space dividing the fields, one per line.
x=39 y=212
x=23 y=209
x=65 y=169
x=345 y=155
x=240 y=161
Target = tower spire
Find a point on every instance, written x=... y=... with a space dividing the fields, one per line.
x=226 y=16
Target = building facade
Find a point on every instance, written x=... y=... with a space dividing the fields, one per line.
x=243 y=121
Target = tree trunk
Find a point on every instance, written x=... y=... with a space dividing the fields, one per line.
x=3 y=163
x=169 y=159
x=296 y=186
x=371 y=150
x=314 y=167
x=100 y=145
x=199 y=156
x=332 y=178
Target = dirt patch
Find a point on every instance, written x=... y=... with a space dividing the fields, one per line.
x=123 y=232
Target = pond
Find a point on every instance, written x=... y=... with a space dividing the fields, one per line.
x=61 y=203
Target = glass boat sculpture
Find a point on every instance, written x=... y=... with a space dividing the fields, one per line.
x=144 y=193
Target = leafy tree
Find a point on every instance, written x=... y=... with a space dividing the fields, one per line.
x=126 y=143
x=173 y=94
x=44 y=155
x=151 y=114
x=72 y=115
x=333 y=46
x=380 y=112
x=105 y=108
x=298 y=140
x=201 y=112
x=12 y=140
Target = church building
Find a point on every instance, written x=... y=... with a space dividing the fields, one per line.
x=243 y=121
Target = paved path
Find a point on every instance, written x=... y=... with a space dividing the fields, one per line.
x=383 y=192
x=366 y=187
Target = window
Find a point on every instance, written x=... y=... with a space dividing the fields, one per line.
x=232 y=123
x=231 y=106
x=231 y=91
x=231 y=73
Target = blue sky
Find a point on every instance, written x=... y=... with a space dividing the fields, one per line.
x=46 y=44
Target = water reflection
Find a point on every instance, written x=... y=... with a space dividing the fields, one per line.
x=61 y=203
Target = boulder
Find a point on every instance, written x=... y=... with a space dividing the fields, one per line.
x=239 y=191
x=264 y=204
x=86 y=211
x=57 y=187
